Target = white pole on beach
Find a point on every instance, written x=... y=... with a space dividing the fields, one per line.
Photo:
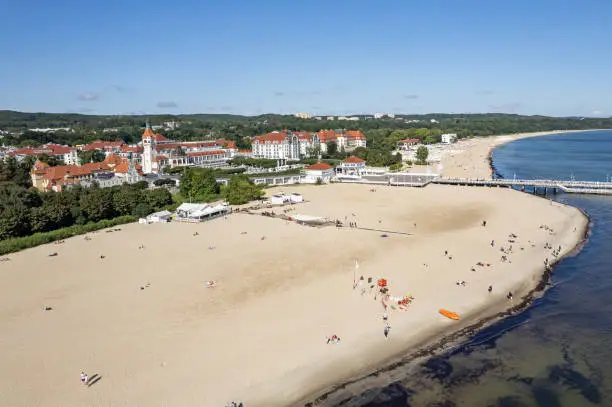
x=355 y=274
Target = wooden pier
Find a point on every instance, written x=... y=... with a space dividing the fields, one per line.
x=566 y=186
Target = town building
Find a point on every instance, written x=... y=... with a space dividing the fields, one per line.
x=159 y=152
x=303 y=115
x=344 y=139
x=322 y=171
x=115 y=171
x=68 y=155
x=404 y=145
x=448 y=138
x=285 y=145
x=383 y=115
x=351 y=166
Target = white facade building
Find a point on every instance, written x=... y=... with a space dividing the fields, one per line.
x=284 y=145
x=317 y=171
x=159 y=152
x=353 y=166
x=448 y=138
x=344 y=139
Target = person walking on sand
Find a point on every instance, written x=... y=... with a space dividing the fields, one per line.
x=386 y=331
x=490 y=289
x=84 y=379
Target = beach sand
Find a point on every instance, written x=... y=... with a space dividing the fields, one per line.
x=468 y=158
x=144 y=322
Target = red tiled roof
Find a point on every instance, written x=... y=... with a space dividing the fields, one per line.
x=40 y=167
x=319 y=167
x=354 y=160
x=103 y=145
x=148 y=133
x=123 y=167
x=410 y=140
x=113 y=159
x=169 y=146
x=274 y=137
x=61 y=171
x=161 y=158
x=197 y=144
x=131 y=149
x=355 y=134
x=327 y=135
x=159 y=138
x=204 y=153
x=245 y=151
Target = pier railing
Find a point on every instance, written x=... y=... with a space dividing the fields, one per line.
x=567 y=186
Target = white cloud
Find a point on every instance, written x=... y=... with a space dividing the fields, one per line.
x=88 y=96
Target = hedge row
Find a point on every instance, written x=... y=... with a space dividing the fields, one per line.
x=19 y=243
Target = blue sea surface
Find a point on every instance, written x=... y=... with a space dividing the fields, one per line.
x=559 y=351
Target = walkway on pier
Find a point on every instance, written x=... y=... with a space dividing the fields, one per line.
x=567 y=186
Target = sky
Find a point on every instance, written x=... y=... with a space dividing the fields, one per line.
x=323 y=57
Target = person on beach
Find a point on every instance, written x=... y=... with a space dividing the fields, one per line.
x=386 y=331
x=490 y=289
x=484 y=223
x=84 y=378
x=509 y=296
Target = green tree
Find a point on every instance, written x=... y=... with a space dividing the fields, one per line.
x=14 y=221
x=97 y=204
x=141 y=185
x=142 y=210
x=125 y=200
x=158 y=198
x=50 y=160
x=91 y=156
x=240 y=190
x=396 y=167
x=421 y=155
x=199 y=184
x=39 y=220
x=243 y=143
x=332 y=148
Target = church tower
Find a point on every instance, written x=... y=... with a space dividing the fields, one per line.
x=149 y=164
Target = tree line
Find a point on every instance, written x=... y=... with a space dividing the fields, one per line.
x=200 y=185
x=25 y=210
x=86 y=128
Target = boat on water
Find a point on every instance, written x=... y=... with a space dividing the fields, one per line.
x=449 y=314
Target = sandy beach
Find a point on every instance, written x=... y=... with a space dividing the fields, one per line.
x=142 y=323
x=469 y=157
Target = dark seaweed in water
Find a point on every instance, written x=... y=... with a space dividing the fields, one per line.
x=438 y=368
x=545 y=397
x=446 y=403
x=393 y=395
x=509 y=401
x=575 y=380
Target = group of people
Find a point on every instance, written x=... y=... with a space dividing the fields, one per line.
x=334 y=339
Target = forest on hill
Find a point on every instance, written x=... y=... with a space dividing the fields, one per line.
x=86 y=128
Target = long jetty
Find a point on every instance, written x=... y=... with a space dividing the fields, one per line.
x=566 y=186
x=537 y=186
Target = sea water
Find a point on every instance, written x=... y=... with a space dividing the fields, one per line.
x=558 y=352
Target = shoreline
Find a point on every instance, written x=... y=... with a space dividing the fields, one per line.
x=282 y=289
x=440 y=344
x=446 y=342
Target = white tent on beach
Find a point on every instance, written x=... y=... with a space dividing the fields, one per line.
x=200 y=212
x=310 y=219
